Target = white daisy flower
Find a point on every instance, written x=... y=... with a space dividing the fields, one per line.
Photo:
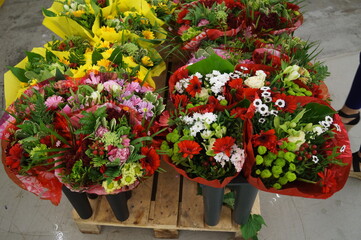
x=280 y=103
x=266 y=94
x=274 y=112
x=338 y=128
x=329 y=119
x=263 y=109
x=261 y=120
x=257 y=102
x=267 y=99
x=265 y=88
x=343 y=148
x=315 y=159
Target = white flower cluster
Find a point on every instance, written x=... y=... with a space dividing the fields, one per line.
x=200 y=122
x=237 y=157
x=324 y=125
x=215 y=81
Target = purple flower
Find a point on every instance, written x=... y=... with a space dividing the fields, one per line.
x=145 y=109
x=101 y=131
x=53 y=102
x=132 y=102
x=132 y=87
x=119 y=153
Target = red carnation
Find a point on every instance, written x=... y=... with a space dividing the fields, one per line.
x=189 y=148
x=267 y=139
x=194 y=86
x=14 y=157
x=224 y=145
x=151 y=162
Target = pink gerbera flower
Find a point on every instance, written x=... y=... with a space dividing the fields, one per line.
x=53 y=102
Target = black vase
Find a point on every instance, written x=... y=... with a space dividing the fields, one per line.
x=245 y=195
x=212 y=201
x=119 y=205
x=80 y=202
x=92 y=195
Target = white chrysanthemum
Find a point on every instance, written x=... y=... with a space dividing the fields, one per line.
x=280 y=103
x=210 y=118
x=206 y=134
x=318 y=130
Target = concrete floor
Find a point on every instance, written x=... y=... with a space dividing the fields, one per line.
x=334 y=23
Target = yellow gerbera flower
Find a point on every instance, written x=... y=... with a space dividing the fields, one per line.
x=78 y=13
x=63 y=60
x=104 y=44
x=148 y=34
x=108 y=29
x=107 y=53
x=146 y=61
x=104 y=63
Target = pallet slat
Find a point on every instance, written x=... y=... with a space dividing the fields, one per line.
x=166 y=214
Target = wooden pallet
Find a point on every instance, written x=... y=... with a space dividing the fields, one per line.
x=165 y=203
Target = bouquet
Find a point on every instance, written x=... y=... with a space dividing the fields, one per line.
x=206 y=140
x=296 y=146
x=43 y=129
x=71 y=17
x=200 y=20
x=125 y=21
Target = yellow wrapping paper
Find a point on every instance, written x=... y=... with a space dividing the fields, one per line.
x=12 y=86
x=1 y=2
x=64 y=26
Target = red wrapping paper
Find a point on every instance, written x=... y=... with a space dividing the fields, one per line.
x=212 y=183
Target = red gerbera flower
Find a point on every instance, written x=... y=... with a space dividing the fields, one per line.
x=180 y=100
x=290 y=102
x=189 y=148
x=236 y=83
x=224 y=145
x=151 y=162
x=267 y=139
x=328 y=181
x=194 y=86
x=14 y=157
x=181 y=15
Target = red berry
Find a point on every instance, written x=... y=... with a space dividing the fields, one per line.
x=302 y=148
x=95 y=152
x=299 y=158
x=308 y=156
x=101 y=153
x=314 y=146
x=314 y=152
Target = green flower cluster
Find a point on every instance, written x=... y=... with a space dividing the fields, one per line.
x=276 y=170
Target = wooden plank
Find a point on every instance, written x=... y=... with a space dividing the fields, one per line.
x=89 y=228
x=191 y=211
x=166 y=203
x=166 y=233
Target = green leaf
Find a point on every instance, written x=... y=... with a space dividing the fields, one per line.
x=95 y=7
x=59 y=75
x=253 y=226
x=228 y=199
x=316 y=112
x=49 y=56
x=34 y=57
x=19 y=73
x=213 y=62
x=48 y=13
x=96 y=56
x=116 y=56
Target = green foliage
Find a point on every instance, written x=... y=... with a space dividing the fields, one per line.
x=91 y=120
x=252 y=227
